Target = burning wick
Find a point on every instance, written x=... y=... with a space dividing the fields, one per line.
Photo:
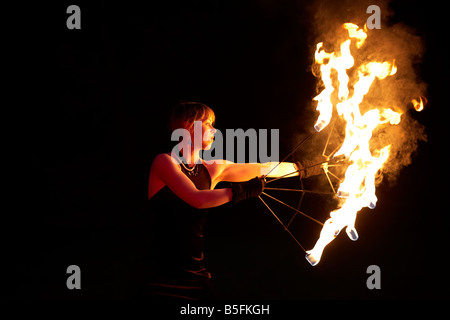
x=320 y=125
x=343 y=194
x=418 y=105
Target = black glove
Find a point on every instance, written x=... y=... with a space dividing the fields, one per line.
x=308 y=168
x=247 y=189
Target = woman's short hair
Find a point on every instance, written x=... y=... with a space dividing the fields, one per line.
x=185 y=113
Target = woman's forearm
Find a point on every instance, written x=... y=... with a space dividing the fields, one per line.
x=276 y=169
x=212 y=198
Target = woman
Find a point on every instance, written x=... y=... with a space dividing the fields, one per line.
x=181 y=186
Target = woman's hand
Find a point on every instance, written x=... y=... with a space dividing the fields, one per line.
x=308 y=168
x=247 y=189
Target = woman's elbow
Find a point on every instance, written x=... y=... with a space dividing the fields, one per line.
x=201 y=204
x=198 y=203
x=206 y=199
x=195 y=204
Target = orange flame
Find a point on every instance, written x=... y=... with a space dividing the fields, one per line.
x=357 y=190
x=418 y=105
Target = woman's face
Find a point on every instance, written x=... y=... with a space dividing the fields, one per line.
x=208 y=133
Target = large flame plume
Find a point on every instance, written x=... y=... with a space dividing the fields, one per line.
x=346 y=83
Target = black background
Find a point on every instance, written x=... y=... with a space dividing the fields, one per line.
x=100 y=103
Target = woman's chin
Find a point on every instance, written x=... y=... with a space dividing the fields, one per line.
x=207 y=146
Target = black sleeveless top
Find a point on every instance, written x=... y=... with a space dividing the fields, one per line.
x=174 y=256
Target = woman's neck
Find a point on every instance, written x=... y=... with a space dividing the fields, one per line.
x=192 y=157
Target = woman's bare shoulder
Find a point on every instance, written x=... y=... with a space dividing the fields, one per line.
x=164 y=159
x=164 y=163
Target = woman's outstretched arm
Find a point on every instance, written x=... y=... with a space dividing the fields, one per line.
x=235 y=172
x=166 y=171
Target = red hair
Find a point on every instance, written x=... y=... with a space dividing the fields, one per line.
x=185 y=113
